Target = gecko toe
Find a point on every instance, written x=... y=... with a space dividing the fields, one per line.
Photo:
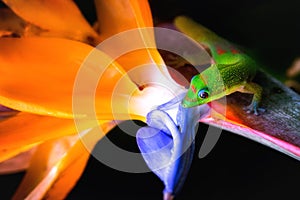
x=253 y=108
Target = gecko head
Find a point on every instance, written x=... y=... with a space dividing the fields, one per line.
x=197 y=94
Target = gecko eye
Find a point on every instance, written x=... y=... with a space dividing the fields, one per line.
x=203 y=94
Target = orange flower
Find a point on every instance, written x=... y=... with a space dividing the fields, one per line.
x=43 y=46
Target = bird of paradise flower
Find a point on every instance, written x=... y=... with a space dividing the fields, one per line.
x=41 y=53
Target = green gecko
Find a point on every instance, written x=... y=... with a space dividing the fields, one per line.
x=232 y=71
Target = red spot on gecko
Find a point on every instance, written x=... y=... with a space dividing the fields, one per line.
x=193 y=89
x=235 y=51
x=220 y=51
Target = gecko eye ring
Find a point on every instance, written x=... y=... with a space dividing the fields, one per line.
x=203 y=94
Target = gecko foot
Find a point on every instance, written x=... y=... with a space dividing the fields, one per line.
x=253 y=108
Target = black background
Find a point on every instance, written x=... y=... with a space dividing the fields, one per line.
x=237 y=168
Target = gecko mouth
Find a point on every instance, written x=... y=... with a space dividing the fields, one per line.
x=188 y=99
x=188 y=102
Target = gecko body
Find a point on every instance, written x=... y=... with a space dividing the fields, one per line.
x=233 y=70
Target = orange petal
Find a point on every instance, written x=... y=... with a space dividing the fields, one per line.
x=8 y=153
x=43 y=169
x=56 y=167
x=38 y=76
x=73 y=166
x=116 y=17
x=68 y=177
x=59 y=16
x=23 y=131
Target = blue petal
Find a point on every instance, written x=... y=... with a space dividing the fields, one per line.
x=168 y=148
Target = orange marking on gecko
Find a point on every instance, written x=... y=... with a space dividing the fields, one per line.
x=193 y=89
